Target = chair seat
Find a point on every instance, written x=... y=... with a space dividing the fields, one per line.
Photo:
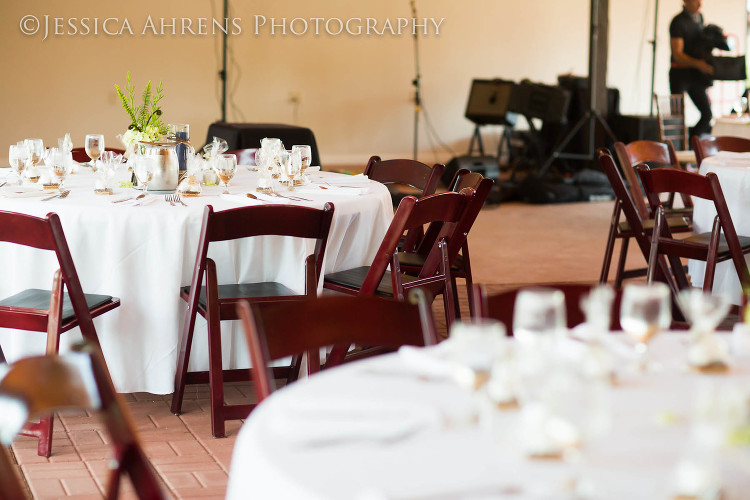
x=244 y=291
x=686 y=156
x=353 y=278
x=704 y=238
x=410 y=259
x=34 y=298
x=648 y=224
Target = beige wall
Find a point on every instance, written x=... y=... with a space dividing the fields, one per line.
x=355 y=91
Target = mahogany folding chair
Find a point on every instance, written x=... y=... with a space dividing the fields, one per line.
x=411 y=262
x=446 y=209
x=244 y=156
x=721 y=244
x=634 y=225
x=76 y=380
x=80 y=156
x=500 y=305
x=52 y=311
x=276 y=331
x=712 y=145
x=218 y=302
x=411 y=173
x=670 y=117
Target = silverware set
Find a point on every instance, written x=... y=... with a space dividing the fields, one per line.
x=140 y=196
x=174 y=199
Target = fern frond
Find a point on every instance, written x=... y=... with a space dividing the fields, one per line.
x=144 y=112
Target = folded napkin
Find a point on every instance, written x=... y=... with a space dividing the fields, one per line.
x=332 y=190
x=261 y=199
x=345 y=180
x=730 y=155
x=434 y=363
x=23 y=192
x=320 y=420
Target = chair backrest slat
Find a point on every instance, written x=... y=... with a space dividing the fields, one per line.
x=710 y=146
x=405 y=172
x=278 y=330
x=26 y=230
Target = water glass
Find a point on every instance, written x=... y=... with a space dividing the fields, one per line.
x=36 y=150
x=94 y=147
x=181 y=131
x=18 y=154
x=61 y=166
x=145 y=169
x=538 y=312
x=225 y=165
x=305 y=155
x=644 y=312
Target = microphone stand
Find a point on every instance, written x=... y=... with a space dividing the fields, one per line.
x=653 y=59
x=417 y=82
x=223 y=72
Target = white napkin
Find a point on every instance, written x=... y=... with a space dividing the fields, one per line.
x=358 y=180
x=24 y=192
x=329 y=420
x=262 y=199
x=139 y=203
x=330 y=190
x=434 y=363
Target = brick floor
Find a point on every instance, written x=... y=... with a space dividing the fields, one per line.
x=192 y=464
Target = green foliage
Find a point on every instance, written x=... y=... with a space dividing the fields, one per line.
x=146 y=114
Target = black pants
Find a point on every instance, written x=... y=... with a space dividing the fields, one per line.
x=695 y=83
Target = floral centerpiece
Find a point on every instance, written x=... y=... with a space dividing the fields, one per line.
x=145 y=119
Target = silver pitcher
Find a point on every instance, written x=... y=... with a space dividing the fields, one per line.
x=167 y=171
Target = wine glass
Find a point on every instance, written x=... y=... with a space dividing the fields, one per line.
x=225 y=166
x=476 y=345
x=538 y=312
x=62 y=163
x=94 y=147
x=644 y=312
x=294 y=169
x=36 y=150
x=145 y=167
x=305 y=154
x=18 y=155
x=740 y=106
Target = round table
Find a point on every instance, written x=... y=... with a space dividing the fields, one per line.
x=733 y=170
x=454 y=457
x=144 y=254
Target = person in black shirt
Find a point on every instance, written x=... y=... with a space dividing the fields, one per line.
x=689 y=71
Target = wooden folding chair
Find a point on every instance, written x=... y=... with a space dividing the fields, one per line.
x=275 y=331
x=712 y=145
x=500 y=306
x=446 y=209
x=80 y=155
x=634 y=225
x=43 y=384
x=721 y=244
x=52 y=311
x=670 y=115
x=218 y=302
x=412 y=260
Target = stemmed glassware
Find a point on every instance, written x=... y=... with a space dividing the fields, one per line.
x=740 y=106
x=62 y=163
x=644 y=312
x=94 y=147
x=36 y=150
x=294 y=168
x=225 y=165
x=18 y=156
x=145 y=168
x=305 y=156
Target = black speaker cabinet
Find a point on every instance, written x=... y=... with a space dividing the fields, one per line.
x=488 y=102
x=629 y=128
x=485 y=165
x=536 y=100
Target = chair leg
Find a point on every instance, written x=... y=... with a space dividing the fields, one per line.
x=215 y=368
x=456 y=305
x=604 y=275
x=186 y=344
x=621 y=262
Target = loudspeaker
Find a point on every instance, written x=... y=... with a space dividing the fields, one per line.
x=536 y=100
x=488 y=102
x=485 y=165
x=629 y=128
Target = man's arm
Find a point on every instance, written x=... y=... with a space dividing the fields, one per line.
x=685 y=61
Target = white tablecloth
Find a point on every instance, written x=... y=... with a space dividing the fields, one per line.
x=651 y=415
x=732 y=126
x=144 y=254
x=733 y=170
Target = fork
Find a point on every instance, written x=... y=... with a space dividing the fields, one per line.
x=178 y=199
x=168 y=197
x=293 y=198
x=61 y=194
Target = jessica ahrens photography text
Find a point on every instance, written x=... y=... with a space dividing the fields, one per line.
x=53 y=27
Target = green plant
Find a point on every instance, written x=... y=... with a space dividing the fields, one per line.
x=146 y=117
